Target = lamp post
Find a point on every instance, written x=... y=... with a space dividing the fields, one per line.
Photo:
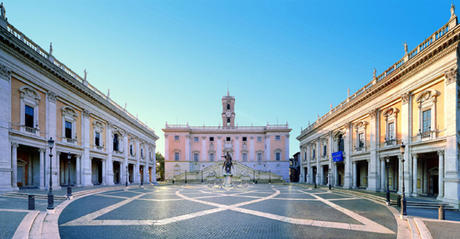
x=387 y=161
x=201 y=176
x=142 y=177
x=50 y=187
x=69 y=189
x=126 y=185
x=329 y=178
x=185 y=176
x=270 y=176
x=403 y=198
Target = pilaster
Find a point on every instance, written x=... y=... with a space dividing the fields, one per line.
x=5 y=119
x=373 y=179
x=348 y=167
x=109 y=149
x=86 y=160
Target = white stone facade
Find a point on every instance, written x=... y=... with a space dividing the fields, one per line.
x=416 y=103
x=40 y=98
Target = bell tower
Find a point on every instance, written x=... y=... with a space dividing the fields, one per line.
x=228 y=111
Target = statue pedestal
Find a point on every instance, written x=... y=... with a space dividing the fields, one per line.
x=227 y=180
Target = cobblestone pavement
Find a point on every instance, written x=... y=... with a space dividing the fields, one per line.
x=244 y=211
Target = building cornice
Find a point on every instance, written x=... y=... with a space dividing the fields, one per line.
x=42 y=61
x=413 y=62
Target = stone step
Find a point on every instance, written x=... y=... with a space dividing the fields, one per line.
x=36 y=230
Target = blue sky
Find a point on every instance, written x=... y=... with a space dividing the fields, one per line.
x=283 y=60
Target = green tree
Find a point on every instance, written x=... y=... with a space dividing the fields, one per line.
x=160 y=166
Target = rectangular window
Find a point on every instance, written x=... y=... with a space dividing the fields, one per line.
x=176 y=137
x=391 y=130
x=228 y=139
x=131 y=150
x=278 y=156
x=176 y=156
x=68 y=130
x=259 y=139
x=195 y=139
x=259 y=156
x=29 y=116
x=324 y=150
x=277 y=137
x=195 y=157
x=245 y=157
x=97 y=139
x=305 y=156
x=115 y=142
x=228 y=120
x=313 y=153
x=245 y=139
x=426 y=121
x=361 y=140
x=211 y=157
x=211 y=139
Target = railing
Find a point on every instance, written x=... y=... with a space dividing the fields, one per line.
x=360 y=149
x=390 y=142
x=30 y=129
x=386 y=74
x=425 y=135
x=70 y=140
x=19 y=35
x=186 y=126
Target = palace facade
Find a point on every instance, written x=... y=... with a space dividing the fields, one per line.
x=414 y=103
x=195 y=148
x=96 y=140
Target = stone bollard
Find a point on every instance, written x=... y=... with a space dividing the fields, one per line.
x=441 y=212
x=31 y=202
x=399 y=201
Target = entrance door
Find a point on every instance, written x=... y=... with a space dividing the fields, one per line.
x=116 y=172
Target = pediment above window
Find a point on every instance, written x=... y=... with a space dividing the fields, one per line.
x=69 y=112
x=427 y=95
x=27 y=92
x=392 y=111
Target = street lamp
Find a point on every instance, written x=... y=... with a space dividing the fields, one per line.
x=387 y=160
x=185 y=179
x=329 y=178
x=50 y=187
x=403 y=198
x=69 y=189
x=270 y=176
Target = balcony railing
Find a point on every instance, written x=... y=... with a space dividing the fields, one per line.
x=70 y=140
x=361 y=148
x=390 y=142
x=425 y=135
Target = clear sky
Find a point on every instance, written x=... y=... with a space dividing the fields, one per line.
x=282 y=60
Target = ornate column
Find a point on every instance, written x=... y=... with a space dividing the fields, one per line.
x=414 y=174
x=267 y=148
x=373 y=179
x=154 y=167
x=5 y=119
x=42 y=167
x=219 y=148
x=452 y=124
x=78 y=169
x=355 y=178
x=441 y=174
x=348 y=181
x=137 y=174
x=286 y=146
x=14 y=164
x=203 y=149
x=252 y=153
x=109 y=178
x=383 y=178
x=125 y=169
x=405 y=130
x=187 y=153
x=309 y=169
x=86 y=160
x=237 y=149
